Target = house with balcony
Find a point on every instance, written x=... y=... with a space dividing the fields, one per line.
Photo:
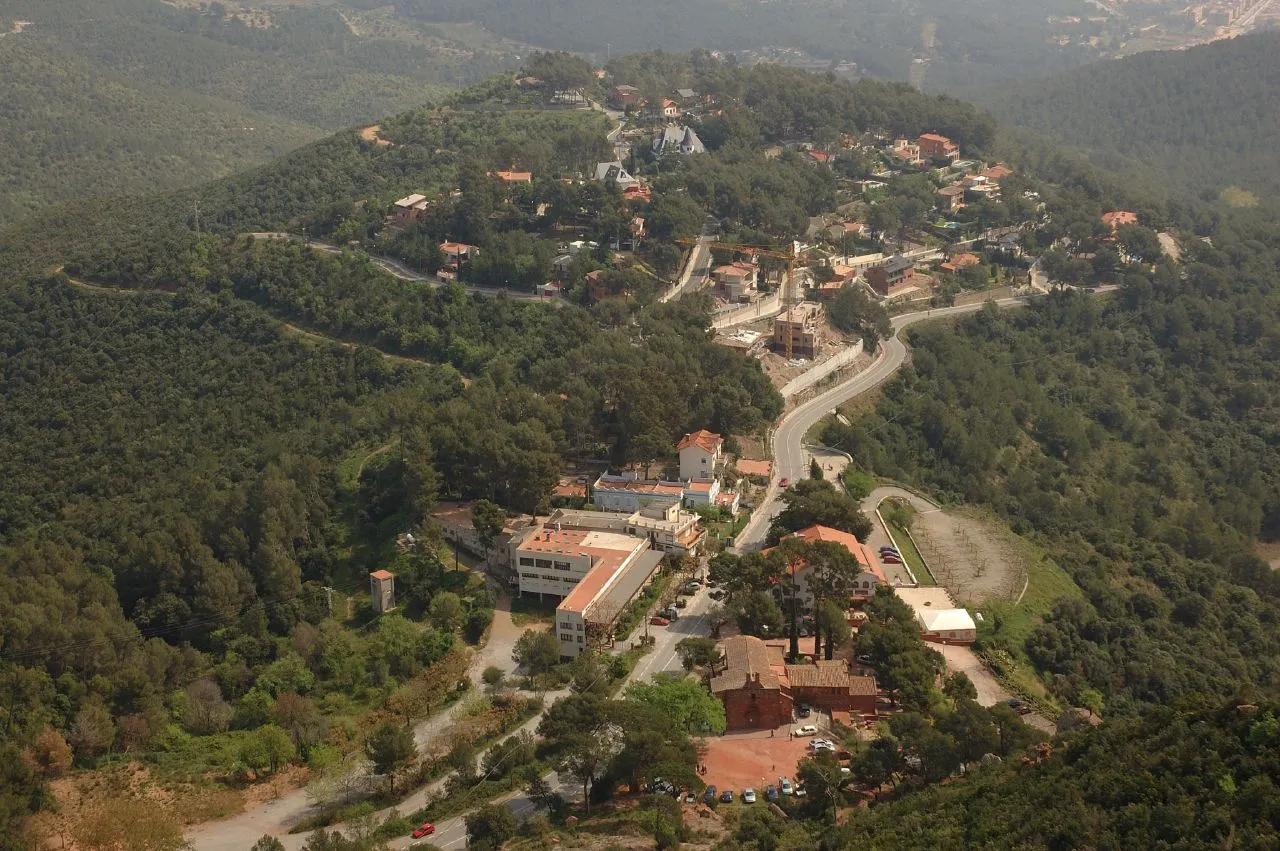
x=937 y=147
x=890 y=277
x=737 y=279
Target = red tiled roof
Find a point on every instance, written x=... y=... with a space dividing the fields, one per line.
x=382 y=574
x=703 y=439
x=1118 y=218
x=935 y=137
x=746 y=658
x=859 y=550
x=514 y=176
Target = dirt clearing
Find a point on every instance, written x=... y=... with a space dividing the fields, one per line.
x=975 y=558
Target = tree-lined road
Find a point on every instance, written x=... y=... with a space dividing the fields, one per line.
x=789 y=460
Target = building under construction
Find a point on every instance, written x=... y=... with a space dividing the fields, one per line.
x=798 y=331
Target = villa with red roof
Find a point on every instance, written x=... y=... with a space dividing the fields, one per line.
x=868 y=579
x=937 y=147
x=701 y=453
x=1117 y=219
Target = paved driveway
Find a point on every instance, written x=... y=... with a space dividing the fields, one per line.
x=990 y=691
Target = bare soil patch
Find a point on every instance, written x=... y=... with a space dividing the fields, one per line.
x=370 y=134
x=1270 y=553
x=977 y=559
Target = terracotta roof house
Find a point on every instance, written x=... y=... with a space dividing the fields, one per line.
x=959 y=261
x=951 y=198
x=760 y=694
x=514 y=176
x=872 y=574
x=935 y=146
x=1118 y=219
x=996 y=173
x=749 y=687
x=738 y=279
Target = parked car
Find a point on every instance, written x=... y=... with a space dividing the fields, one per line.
x=806 y=730
x=802 y=709
x=709 y=795
x=890 y=559
x=692 y=585
x=671 y=612
x=800 y=792
x=785 y=783
x=888 y=549
x=690 y=798
x=1018 y=706
x=424 y=829
x=822 y=745
x=748 y=795
x=784 y=483
x=864 y=658
x=771 y=793
x=845 y=771
x=659 y=620
x=726 y=797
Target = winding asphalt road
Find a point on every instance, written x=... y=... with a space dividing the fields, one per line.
x=789 y=460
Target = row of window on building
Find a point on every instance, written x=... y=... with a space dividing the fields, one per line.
x=548 y=578
x=564 y=636
x=545 y=563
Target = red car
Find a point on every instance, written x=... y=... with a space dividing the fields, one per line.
x=657 y=620
x=784 y=483
x=424 y=829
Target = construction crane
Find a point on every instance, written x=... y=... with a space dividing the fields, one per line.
x=789 y=299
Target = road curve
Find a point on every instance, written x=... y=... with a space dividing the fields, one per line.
x=788 y=438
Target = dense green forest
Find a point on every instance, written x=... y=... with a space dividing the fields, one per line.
x=1180 y=777
x=1134 y=438
x=1186 y=123
x=185 y=468
x=975 y=42
x=133 y=95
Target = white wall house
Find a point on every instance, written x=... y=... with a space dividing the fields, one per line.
x=701 y=454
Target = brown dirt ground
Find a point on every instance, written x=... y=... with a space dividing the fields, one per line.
x=370 y=134
x=1270 y=553
x=739 y=760
x=186 y=803
x=975 y=559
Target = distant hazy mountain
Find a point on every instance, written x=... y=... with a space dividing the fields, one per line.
x=131 y=95
x=1198 y=121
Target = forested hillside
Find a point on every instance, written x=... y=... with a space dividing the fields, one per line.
x=1188 y=123
x=1182 y=777
x=133 y=95
x=971 y=42
x=1134 y=438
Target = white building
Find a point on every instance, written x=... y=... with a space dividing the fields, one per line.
x=938 y=616
x=668 y=529
x=594 y=573
x=628 y=492
x=701 y=454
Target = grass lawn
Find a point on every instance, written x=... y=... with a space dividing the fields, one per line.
x=1047 y=583
x=911 y=555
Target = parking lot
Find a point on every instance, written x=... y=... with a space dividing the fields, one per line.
x=753 y=759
